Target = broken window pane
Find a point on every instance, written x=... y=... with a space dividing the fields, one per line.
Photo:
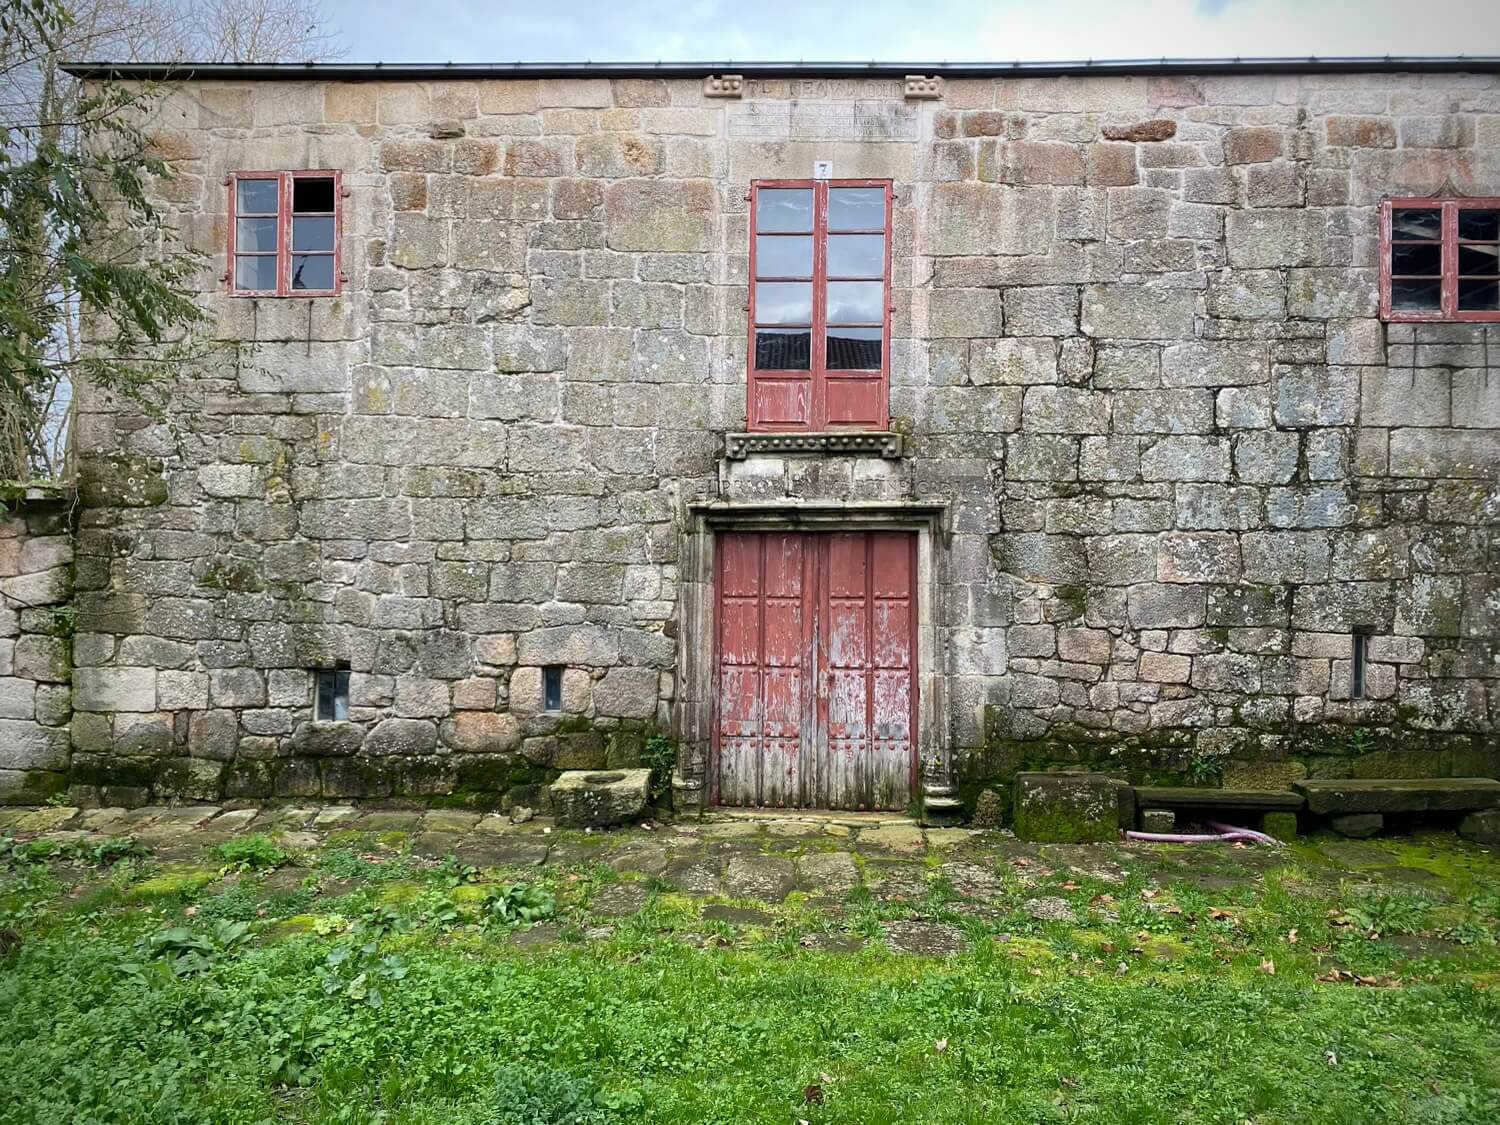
x=856 y=208
x=1477 y=296
x=856 y=302
x=854 y=349
x=783 y=349
x=784 y=209
x=1411 y=223
x=783 y=302
x=312 y=194
x=1481 y=225
x=252 y=235
x=1478 y=258
x=255 y=273
x=1425 y=258
x=1416 y=294
x=312 y=234
x=256 y=197
x=783 y=256
x=856 y=255
x=312 y=271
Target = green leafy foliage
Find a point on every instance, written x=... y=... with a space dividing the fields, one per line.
x=518 y=904
x=256 y=852
x=98 y=853
x=660 y=756
x=454 y=873
x=183 y=952
x=77 y=298
x=1159 y=1004
x=543 y=1095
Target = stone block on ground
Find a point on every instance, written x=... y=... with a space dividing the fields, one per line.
x=1158 y=820
x=1482 y=827
x=1281 y=825
x=1357 y=825
x=1067 y=808
x=598 y=798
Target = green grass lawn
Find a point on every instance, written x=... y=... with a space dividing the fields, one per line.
x=358 y=983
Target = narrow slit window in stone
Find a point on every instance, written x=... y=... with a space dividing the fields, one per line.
x=332 y=703
x=552 y=677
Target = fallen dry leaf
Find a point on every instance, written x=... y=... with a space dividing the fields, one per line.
x=1291 y=936
x=1268 y=967
x=940 y=1046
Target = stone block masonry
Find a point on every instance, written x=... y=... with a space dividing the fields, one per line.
x=1135 y=357
x=36 y=648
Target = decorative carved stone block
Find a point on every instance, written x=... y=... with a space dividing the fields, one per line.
x=922 y=87
x=724 y=86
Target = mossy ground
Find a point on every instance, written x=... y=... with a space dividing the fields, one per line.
x=677 y=981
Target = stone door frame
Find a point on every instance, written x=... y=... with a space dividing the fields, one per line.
x=693 y=705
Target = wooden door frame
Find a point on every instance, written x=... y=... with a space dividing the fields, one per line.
x=695 y=702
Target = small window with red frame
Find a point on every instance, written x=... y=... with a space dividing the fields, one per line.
x=284 y=234
x=1440 y=260
x=819 y=304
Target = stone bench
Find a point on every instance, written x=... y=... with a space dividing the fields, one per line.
x=1273 y=811
x=1358 y=805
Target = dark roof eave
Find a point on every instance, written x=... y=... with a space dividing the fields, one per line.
x=355 y=72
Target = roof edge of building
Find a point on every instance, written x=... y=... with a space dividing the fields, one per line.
x=354 y=72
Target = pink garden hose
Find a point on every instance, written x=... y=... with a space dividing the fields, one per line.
x=1222 y=833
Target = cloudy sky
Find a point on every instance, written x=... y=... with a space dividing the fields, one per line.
x=570 y=30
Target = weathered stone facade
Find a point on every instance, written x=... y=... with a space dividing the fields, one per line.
x=36 y=624
x=1176 y=457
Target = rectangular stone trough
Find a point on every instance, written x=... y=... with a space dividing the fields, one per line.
x=599 y=798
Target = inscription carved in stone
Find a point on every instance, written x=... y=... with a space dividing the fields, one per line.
x=818 y=89
x=823 y=121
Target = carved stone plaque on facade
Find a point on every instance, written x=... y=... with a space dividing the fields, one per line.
x=823 y=121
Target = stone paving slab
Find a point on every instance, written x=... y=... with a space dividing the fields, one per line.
x=830 y=873
x=933 y=939
x=766 y=878
x=695 y=875
x=620 y=900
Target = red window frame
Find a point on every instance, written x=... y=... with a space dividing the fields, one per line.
x=1448 y=312
x=860 y=399
x=284 y=215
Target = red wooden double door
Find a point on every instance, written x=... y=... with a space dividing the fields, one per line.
x=816 y=702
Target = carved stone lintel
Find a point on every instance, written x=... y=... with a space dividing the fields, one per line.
x=724 y=86
x=832 y=444
x=923 y=87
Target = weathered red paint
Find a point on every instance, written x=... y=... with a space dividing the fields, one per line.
x=1449 y=312
x=816 y=700
x=285 y=181
x=819 y=398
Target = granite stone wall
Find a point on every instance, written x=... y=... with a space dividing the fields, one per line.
x=36 y=628
x=1135 y=352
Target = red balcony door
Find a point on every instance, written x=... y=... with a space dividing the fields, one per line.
x=816 y=698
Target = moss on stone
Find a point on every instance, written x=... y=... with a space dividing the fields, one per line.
x=36 y=787
x=180 y=881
